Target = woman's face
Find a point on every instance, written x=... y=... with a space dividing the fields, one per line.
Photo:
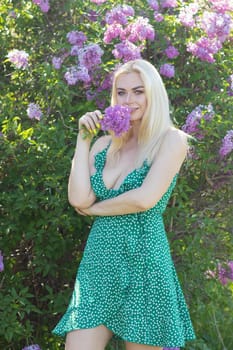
x=131 y=93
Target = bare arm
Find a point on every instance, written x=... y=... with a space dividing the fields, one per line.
x=171 y=156
x=80 y=193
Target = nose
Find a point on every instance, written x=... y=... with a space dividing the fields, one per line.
x=128 y=98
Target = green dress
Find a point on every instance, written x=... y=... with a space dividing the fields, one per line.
x=126 y=279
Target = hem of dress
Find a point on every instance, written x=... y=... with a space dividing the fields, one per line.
x=124 y=338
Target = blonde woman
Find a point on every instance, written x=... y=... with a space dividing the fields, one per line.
x=126 y=284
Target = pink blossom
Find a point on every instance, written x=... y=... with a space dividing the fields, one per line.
x=153 y=4
x=1 y=262
x=90 y=56
x=192 y=124
x=19 y=58
x=119 y=14
x=113 y=31
x=158 y=17
x=98 y=2
x=126 y=51
x=222 y=6
x=167 y=70
x=186 y=15
x=139 y=30
x=171 y=52
x=216 y=25
x=168 y=3
x=205 y=48
x=76 y=38
x=227 y=144
x=34 y=111
x=230 y=85
x=225 y=274
x=57 y=62
x=43 y=4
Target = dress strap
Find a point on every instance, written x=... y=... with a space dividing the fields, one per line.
x=100 y=158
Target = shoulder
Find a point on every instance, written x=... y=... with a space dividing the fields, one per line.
x=175 y=140
x=101 y=143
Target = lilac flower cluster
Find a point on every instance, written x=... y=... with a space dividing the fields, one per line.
x=76 y=38
x=1 y=262
x=215 y=23
x=227 y=144
x=116 y=119
x=171 y=52
x=19 y=58
x=171 y=348
x=43 y=4
x=90 y=55
x=205 y=48
x=230 y=85
x=222 y=6
x=119 y=14
x=32 y=347
x=167 y=70
x=192 y=124
x=98 y=2
x=158 y=7
x=127 y=51
x=34 y=111
x=137 y=31
x=224 y=272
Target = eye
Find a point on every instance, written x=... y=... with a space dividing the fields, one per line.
x=120 y=93
x=139 y=92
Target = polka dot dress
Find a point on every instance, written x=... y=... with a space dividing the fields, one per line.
x=126 y=279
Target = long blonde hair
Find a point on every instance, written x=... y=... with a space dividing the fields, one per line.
x=156 y=119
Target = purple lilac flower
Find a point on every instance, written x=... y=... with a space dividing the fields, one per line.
x=225 y=274
x=57 y=62
x=74 y=50
x=205 y=48
x=1 y=262
x=43 y=4
x=171 y=52
x=32 y=347
x=139 y=30
x=119 y=14
x=186 y=15
x=227 y=144
x=222 y=6
x=153 y=4
x=19 y=58
x=90 y=55
x=216 y=25
x=230 y=85
x=71 y=75
x=126 y=51
x=93 y=16
x=158 y=17
x=171 y=348
x=192 y=123
x=113 y=31
x=34 y=111
x=98 y=2
x=76 y=38
x=167 y=70
x=12 y=14
x=168 y=3
x=116 y=119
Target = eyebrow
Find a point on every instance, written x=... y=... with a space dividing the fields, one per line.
x=135 y=88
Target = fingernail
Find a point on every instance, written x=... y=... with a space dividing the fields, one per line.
x=100 y=116
x=98 y=125
x=95 y=131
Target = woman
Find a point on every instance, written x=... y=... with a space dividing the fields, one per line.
x=126 y=283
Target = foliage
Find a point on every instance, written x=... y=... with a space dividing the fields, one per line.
x=42 y=238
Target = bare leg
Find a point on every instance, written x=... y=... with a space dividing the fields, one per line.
x=88 y=339
x=134 y=346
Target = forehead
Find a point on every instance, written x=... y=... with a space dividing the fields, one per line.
x=129 y=80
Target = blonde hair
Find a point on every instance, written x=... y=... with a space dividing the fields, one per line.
x=156 y=120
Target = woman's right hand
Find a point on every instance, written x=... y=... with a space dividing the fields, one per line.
x=89 y=123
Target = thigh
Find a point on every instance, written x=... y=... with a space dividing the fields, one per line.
x=88 y=339
x=135 y=346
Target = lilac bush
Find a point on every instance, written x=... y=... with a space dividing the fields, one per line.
x=74 y=50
